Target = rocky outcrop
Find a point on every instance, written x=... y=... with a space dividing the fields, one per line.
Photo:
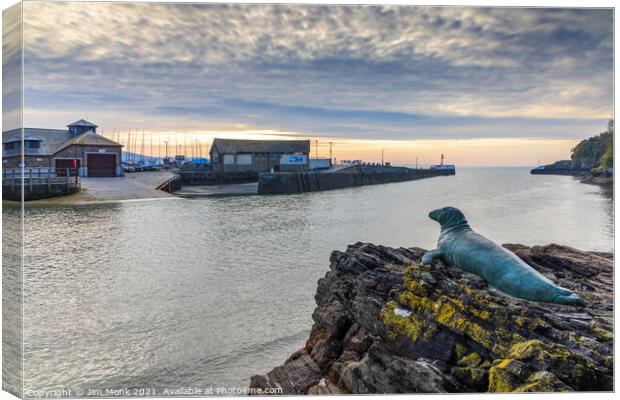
x=386 y=324
x=592 y=160
x=562 y=167
x=602 y=177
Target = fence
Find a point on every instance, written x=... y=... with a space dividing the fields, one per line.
x=39 y=183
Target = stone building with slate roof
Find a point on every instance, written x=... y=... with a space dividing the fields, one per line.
x=79 y=147
x=231 y=155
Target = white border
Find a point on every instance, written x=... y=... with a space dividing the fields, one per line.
x=505 y=3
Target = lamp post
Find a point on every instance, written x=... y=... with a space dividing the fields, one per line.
x=416 y=163
x=382 y=156
x=166 y=143
x=330 y=153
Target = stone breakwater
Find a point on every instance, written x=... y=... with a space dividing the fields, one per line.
x=207 y=177
x=300 y=182
x=386 y=324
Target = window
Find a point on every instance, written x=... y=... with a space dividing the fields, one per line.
x=32 y=144
x=229 y=159
x=244 y=159
x=11 y=145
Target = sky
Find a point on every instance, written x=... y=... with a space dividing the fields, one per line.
x=484 y=86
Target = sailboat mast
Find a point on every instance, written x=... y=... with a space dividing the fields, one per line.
x=142 y=148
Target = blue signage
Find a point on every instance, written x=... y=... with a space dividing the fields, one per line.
x=296 y=159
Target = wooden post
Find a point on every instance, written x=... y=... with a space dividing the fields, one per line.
x=13 y=181
x=30 y=179
x=49 y=183
x=68 y=181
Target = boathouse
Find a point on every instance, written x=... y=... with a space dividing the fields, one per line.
x=231 y=155
x=79 y=148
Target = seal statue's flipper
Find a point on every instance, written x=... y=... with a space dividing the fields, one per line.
x=427 y=258
x=460 y=246
x=572 y=299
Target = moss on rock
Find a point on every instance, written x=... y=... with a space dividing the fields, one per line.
x=470 y=360
x=601 y=333
x=475 y=378
x=506 y=375
x=487 y=328
x=543 y=381
x=411 y=326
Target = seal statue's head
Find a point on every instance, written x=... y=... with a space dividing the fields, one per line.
x=449 y=218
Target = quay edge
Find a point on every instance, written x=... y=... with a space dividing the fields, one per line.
x=359 y=175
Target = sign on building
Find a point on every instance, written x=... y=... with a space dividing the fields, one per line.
x=294 y=159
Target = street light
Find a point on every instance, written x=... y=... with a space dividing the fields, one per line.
x=166 y=142
x=382 y=156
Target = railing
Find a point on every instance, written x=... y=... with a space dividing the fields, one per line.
x=38 y=183
x=171 y=185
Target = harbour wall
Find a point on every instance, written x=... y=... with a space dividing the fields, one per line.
x=171 y=185
x=39 y=183
x=207 y=177
x=359 y=175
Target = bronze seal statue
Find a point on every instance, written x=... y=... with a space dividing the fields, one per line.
x=460 y=246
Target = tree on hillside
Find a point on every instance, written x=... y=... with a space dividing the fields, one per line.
x=595 y=152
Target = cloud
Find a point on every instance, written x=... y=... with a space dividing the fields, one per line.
x=11 y=67
x=348 y=71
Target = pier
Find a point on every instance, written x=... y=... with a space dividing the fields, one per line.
x=358 y=175
x=234 y=189
x=138 y=186
x=39 y=183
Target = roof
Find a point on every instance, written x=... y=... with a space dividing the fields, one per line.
x=83 y=122
x=17 y=139
x=50 y=139
x=232 y=146
x=89 y=138
x=54 y=140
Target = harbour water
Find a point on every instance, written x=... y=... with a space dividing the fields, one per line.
x=207 y=292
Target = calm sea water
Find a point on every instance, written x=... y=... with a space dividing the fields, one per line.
x=207 y=292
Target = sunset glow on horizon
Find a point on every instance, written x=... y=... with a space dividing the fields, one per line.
x=463 y=152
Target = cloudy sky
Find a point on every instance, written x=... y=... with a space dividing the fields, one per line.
x=502 y=86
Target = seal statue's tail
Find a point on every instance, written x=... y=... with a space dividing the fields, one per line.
x=571 y=299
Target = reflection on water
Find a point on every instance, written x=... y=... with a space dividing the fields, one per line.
x=199 y=292
x=12 y=366
x=608 y=193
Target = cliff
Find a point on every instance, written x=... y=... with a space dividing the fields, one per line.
x=592 y=159
x=385 y=324
x=595 y=152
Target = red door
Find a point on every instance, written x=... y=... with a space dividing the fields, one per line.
x=101 y=164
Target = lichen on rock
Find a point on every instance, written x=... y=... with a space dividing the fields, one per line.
x=386 y=324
